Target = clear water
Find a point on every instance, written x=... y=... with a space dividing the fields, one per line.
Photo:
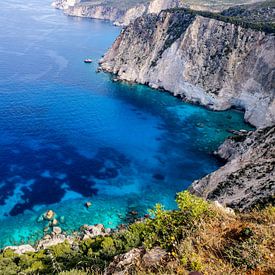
x=69 y=135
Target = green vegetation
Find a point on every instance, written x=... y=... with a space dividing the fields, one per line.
x=121 y=4
x=197 y=236
x=260 y=24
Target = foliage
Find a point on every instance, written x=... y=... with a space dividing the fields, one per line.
x=268 y=27
x=243 y=250
x=192 y=205
x=193 y=234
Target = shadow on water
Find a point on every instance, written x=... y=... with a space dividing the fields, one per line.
x=42 y=176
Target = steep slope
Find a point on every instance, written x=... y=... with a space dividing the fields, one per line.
x=124 y=12
x=203 y=60
x=248 y=178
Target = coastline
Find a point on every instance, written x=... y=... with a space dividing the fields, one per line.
x=68 y=238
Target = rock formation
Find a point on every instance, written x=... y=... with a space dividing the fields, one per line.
x=248 y=178
x=219 y=65
x=202 y=60
x=125 y=12
x=121 y=15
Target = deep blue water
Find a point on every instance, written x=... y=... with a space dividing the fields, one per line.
x=69 y=135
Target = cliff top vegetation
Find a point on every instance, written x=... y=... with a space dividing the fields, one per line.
x=198 y=236
x=260 y=16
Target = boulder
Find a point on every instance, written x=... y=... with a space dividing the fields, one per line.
x=224 y=209
x=154 y=257
x=49 y=215
x=54 y=240
x=123 y=264
x=54 y=222
x=88 y=204
x=93 y=231
x=57 y=230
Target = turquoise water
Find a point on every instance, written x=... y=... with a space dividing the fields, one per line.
x=69 y=135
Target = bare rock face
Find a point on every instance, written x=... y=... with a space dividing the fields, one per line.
x=248 y=178
x=154 y=257
x=125 y=263
x=131 y=261
x=91 y=231
x=53 y=240
x=202 y=60
x=120 y=15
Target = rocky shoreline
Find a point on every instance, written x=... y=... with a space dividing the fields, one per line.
x=218 y=65
x=186 y=54
x=119 y=15
x=241 y=76
x=248 y=178
x=123 y=16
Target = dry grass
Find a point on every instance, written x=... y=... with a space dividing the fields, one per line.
x=249 y=237
x=223 y=244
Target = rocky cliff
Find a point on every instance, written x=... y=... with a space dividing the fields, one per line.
x=202 y=60
x=122 y=13
x=248 y=178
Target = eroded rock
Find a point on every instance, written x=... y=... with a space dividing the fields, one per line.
x=248 y=178
x=202 y=60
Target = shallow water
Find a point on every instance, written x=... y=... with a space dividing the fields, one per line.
x=70 y=135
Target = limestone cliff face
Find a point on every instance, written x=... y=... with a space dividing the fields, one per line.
x=82 y=9
x=248 y=178
x=202 y=60
x=121 y=16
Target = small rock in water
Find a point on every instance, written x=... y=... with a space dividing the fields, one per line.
x=134 y=213
x=88 y=204
x=54 y=222
x=40 y=219
x=57 y=230
x=199 y=125
x=49 y=215
x=46 y=229
x=147 y=216
x=62 y=219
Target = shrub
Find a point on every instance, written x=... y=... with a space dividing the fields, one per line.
x=192 y=205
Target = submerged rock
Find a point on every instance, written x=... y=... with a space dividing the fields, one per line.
x=54 y=222
x=159 y=177
x=57 y=230
x=49 y=215
x=88 y=204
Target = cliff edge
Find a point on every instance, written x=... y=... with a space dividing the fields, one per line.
x=200 y=59
x=248 y=178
